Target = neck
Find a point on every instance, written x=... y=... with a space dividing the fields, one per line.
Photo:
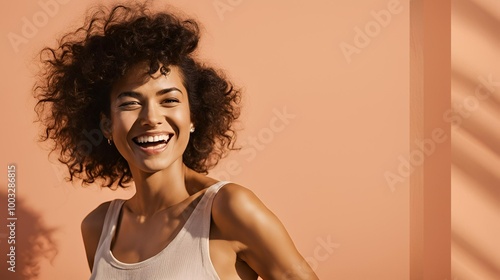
x=159 y=190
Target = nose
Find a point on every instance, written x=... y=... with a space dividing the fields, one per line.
x=151 y=115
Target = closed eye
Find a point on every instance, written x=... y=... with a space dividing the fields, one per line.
x=129 y=104
x=170 y=101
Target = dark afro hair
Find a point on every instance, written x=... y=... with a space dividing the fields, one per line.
x=77 y=76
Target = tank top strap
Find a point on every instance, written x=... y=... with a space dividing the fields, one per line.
x=201 y=217
x=209 y=199
x=109 y=226
x=212 y=191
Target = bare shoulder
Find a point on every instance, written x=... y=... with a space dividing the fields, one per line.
x=91 y=228
x=263 y=241
x=235 y=197
x=96 y=217
x=236 y=206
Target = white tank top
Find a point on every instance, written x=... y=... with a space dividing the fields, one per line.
x=186 y=257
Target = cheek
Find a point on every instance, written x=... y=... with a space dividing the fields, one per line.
x=186 y=118
x=122 y=123
x=182 y=118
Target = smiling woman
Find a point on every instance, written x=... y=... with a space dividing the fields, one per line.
x=131 y=74
x=151 y=121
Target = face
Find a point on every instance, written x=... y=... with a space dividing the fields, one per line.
x=150 y=118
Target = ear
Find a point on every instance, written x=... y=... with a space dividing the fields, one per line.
x=105 y=126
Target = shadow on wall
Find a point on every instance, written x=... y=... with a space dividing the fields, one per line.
x=34 y=241
x=474 y=13
x=486 y=264
x=478 y=105
x=475 y=130
x=476 y=140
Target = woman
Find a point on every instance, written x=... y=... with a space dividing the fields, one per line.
x=130 y=74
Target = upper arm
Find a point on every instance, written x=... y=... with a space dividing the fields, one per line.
x=91 y=228
x=264 y=242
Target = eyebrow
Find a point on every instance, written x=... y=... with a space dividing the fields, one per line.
x=136 y=94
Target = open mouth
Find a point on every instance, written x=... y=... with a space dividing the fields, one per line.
x=152 y=142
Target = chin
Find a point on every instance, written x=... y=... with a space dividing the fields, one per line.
x=155 y=165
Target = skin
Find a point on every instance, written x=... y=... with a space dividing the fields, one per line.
x=246 y=238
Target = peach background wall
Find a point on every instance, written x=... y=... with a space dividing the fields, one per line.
x=326 y=120
x=475 y=139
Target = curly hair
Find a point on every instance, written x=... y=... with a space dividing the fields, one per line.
x=73 y=90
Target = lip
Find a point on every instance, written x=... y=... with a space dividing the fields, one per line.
x=154 y=150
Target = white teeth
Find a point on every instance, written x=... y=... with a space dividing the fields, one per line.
x=152 y=139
